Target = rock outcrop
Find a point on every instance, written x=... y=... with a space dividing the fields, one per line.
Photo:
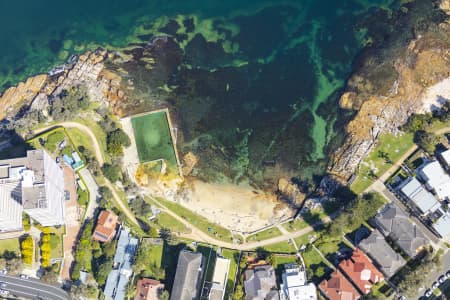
x=14 y=97
x=424 y=62
x=88 y=70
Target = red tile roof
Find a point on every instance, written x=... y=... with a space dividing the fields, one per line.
x=106 y=226
x=339 y=288
x=360 y=269
x=148 y=289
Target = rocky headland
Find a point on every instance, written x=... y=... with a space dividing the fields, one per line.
x=390 y=80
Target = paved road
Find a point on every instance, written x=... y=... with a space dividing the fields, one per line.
x=100 y=159
x=32 y=289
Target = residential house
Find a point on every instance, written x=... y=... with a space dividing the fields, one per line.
x=422 y=199
x=436 y=180
x=444 y=157
x=395 y=224
x=385 y=258
x=117 y=281
x=148 y=289
x=260 y=283
x=33 y=184
x=442 y=225
x=361 y=271
x=186 y=285
x=295 y=285
x=219 y=279
x=337 y=287
x=106 y=226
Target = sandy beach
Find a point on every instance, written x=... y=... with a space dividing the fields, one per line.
x=435 y=96
x=239 y=208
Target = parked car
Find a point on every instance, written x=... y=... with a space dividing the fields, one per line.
x=435 y=285
x=4 y=292
x=428 y=293
x=447 y=274
x=3 y=272
x=401 y=298
x=23 y=276
x=442 y=279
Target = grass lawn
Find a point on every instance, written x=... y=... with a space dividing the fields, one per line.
x=264 y=235
x=389 y=147
x=153 y=138
x=10 y=245
x=233 y=256
x=99 y=133
x=303 y=239
x=295 y=225
x=315 y=263
x=56 y=241
x=79 y=138
x=282 y=247
x=167 y=221
x=198 y=221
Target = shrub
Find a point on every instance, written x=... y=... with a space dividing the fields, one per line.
x=27 y=247
x=112 y=172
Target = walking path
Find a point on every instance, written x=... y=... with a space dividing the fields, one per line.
x=100 y=159
x=203 y=237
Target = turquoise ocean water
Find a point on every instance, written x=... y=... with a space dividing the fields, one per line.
x=269 y=72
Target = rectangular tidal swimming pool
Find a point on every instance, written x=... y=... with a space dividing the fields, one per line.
x=153 y=137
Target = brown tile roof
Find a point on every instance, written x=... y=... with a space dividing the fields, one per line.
x=339 y=288
x=148 y=289
x=360 y=269
x=106 y=226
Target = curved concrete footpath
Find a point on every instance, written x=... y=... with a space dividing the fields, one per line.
x=98 y=156
x=196 y=234
x=199 y=235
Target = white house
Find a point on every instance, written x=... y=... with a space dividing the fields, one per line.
x=436 y=179
x=295 y=285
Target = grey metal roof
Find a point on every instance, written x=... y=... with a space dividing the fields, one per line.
x=421 y=198
x=392 y=222
x=259 y=282
x=187 y=277
x=383 y=255
x=117 y=281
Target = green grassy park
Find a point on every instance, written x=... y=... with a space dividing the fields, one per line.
x=389 y=149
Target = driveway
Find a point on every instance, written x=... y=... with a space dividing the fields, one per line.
x=93 y=192
x=72 y=221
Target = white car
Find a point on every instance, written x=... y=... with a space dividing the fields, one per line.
x=435 y=285
x=3 y=284
x=3 y=272
x=442 y=279
x=4 y=292
x=428 y=293
x=23 y=276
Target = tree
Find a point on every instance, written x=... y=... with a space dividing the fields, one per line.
x=164 y=295
x=112 y=172
x=116 y=140
x=109 y=249
x=102 y=271
x=425 y=140
x=238 y=293
x=27 y=247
